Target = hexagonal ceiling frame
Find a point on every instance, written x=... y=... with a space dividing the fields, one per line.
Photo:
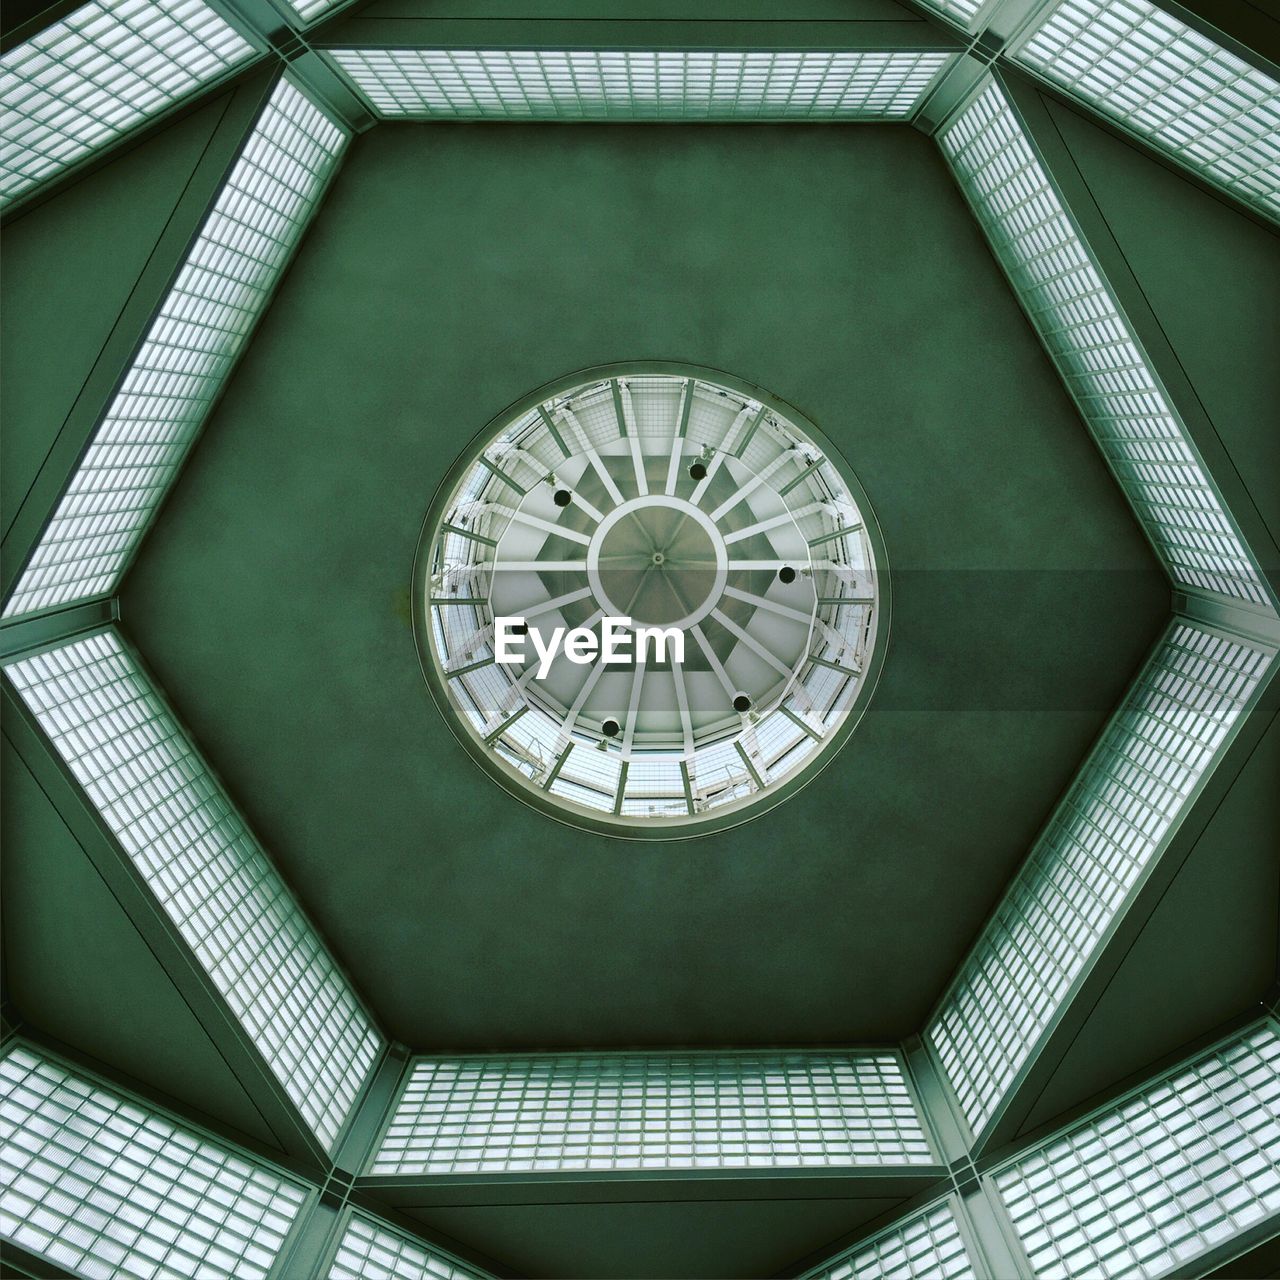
x=988 y=1045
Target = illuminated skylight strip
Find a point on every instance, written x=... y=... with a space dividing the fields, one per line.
x=309 y=10
x=1169 y=84
x=99 y=1185
x=220 y=291
x=105 y=68
x=369 y=1251
x=961 y=11
x=927 y=1246
x=1097 y=354
x=652 y=1111
x=1142 y=1190
x=1127 y=797
x=634 y=84
x=124 y=747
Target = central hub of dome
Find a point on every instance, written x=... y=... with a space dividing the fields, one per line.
x=659 y=561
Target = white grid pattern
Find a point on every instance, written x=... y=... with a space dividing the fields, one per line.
x=652 y=1111
x=1189 y=1162
x=927 y=1246
x=1125 y=799
x=635 y=84
x=961 y=11
x=157 y=796
x=222 y=288
x=370 y=1251
x=106 y=1188
x=1096 y=353
x=1171 y=85
x=86 y=80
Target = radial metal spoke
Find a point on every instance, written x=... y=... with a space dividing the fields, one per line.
x=717 y=458
x=772 y=522
x=753 y=644
x=749 y=488
x=569 y=597
x=682 y=701
x=549 y=526
x=633 y=706
x=716 y=665
x=592 y=456
x=590 y=508
x=535 y=566
x=770 y=606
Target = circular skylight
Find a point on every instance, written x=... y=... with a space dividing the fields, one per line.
x=649 y=600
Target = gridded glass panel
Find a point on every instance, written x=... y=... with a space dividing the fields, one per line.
x=1171 y=85
x=544 y=84
x=104 y=1187
x=369 y=1251
x=122 y=744
x=961 y=11
x=1121 y=805
x=220 y=291
x=927 y=1246
x=310 y=10
x=652 y=1111
x=106 y=67
x=1096 y=353
x=1189 y=1162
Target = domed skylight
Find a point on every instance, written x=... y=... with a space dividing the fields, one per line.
x=689 y=506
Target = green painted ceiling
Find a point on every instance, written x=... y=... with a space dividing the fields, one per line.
x=451 y=270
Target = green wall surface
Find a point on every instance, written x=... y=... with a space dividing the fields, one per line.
x=453 y=269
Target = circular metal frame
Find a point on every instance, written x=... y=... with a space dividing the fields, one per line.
x=489 y=738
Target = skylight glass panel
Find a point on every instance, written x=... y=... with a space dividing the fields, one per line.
x=1171 y=85
x=1095 y=350
x=1124 y=801
x=370 y=1251
x=124 y=747
x=100 y=1185
x=961 y=11
x=652 y=1111
x=1153 y=1184
x=99 y=72
x=634 y=84
x=220 y=291
x=927 y=1246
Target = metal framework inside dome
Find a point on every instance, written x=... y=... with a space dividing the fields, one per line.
x=689 y=504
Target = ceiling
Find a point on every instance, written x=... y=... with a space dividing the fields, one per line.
x=451 y=270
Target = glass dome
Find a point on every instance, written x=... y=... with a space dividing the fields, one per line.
x=684 y=502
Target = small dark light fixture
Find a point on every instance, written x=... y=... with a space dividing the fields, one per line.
x=562 y=497
x=742 y=704
x=698 y=470
x=610 y=728
x=786 y=574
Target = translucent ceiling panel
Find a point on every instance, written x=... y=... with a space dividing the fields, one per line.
x=1147 y=1187
x=105 y=68
x=652 y=1111
x=1169 y=84
x=927 y=1246
x=1096 y=352
x=1123 y=802
x=369 y=1251
x=221 y=289
x=123 y=745
x=543 y=84
x=102 y=1186
x=960 y=11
